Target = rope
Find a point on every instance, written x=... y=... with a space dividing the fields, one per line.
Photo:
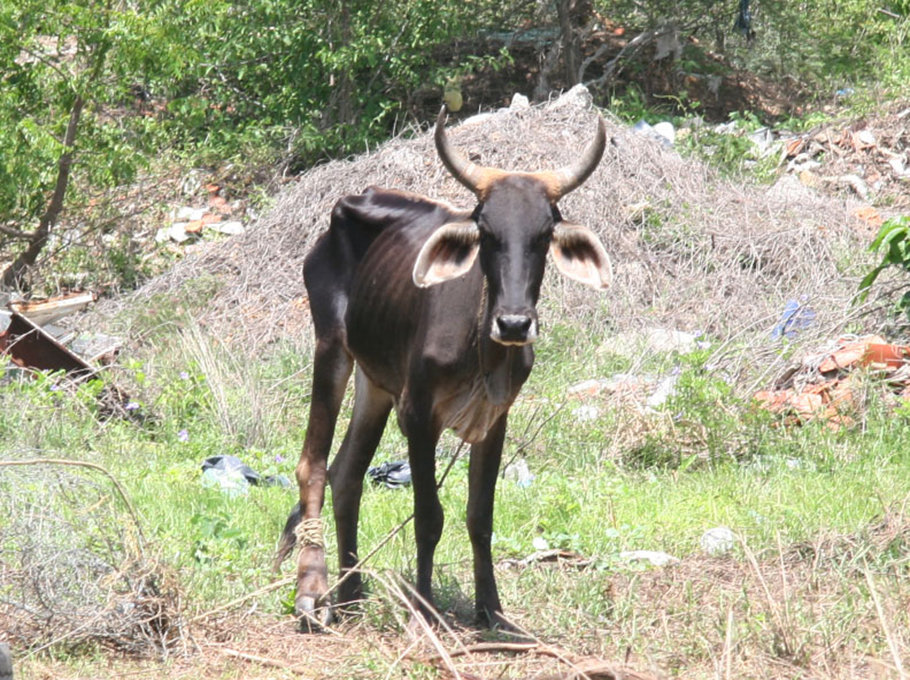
x=309 y=533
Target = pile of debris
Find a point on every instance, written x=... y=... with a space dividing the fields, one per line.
x=868 y=159
x=31 y=341
x=30 y=338
x=189 y=223
x=827 y=384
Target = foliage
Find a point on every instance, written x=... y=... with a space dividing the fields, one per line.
x=894 y=240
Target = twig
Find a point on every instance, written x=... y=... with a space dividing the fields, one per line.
x=92 y=466
x=275 y=585
x=886 y=629
x=775 y=611
x=288 y=580
x=394 y=532
x=261 y=660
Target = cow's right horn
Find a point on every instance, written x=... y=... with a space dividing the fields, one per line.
x=471 y=175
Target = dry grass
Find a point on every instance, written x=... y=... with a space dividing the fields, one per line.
x=74 y=567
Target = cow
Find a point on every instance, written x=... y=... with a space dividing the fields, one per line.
x=434 y=311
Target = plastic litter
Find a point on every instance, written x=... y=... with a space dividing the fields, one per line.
x=652 y=557
x=796 y=317
x=519 y=473
x=393 y=475
x=645 y=129
x=232 y=476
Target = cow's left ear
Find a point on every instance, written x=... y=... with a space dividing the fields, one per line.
x=580 y=255
x=448 y=253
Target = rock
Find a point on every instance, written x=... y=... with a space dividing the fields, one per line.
x=188 y=214
x=666 y=130
x=231 y=228
x=652 y=557
x=177 y=232
x=578 y=97
x=540 y=543
x=717 y=541
x=519 y=103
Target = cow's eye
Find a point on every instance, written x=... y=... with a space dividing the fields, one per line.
x=541 y=240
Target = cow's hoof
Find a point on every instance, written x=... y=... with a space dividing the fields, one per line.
x=499 y=623
x=312 y=618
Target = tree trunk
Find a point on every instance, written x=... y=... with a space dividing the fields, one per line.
x=12 y=277
x=570 y=48
x=573 y=16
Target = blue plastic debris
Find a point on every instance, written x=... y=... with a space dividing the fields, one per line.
x=796 y=317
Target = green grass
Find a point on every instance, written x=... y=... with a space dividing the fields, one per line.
x=594 y=492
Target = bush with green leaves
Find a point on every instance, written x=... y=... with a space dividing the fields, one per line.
x=893 y=240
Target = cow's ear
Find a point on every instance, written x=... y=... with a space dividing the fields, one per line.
x=448 y=253
x=580 y=255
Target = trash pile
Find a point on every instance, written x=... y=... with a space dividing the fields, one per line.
x=30 y=338
x=826 y=384
x=189 y=223
x=863 y=158
x=31 y=341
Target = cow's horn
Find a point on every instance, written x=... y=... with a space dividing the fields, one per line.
x=464 y=170
x=568 y=178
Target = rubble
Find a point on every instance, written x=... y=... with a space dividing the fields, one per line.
x=824 y=384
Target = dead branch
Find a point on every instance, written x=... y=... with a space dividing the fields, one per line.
x=92 y=466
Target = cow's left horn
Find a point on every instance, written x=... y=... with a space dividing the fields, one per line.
x=473 y=176
x=568 y=178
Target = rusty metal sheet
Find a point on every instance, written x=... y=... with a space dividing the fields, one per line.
x=29 y=346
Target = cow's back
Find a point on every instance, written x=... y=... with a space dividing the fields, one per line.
x=367 y=255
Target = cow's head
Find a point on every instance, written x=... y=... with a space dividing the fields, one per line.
x=514 y=225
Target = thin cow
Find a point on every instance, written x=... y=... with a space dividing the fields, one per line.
x=434 y=310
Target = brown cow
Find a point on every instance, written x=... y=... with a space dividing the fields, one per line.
x=436 y=309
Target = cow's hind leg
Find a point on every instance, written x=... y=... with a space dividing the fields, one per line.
x=371 y=411
x=331 y=370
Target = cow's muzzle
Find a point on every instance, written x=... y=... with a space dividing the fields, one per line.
x=514 y=329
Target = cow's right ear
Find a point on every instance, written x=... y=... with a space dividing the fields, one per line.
x=448 y=253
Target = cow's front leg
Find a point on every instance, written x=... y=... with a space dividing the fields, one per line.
x=483 y=471
x=428 y=515
x=331 y=370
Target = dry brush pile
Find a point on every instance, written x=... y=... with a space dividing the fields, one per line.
x=690 y=250
x=74 y=568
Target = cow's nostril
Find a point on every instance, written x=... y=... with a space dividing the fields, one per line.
x=513 y=326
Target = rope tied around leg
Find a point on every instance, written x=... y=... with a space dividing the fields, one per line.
x=309 y=533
